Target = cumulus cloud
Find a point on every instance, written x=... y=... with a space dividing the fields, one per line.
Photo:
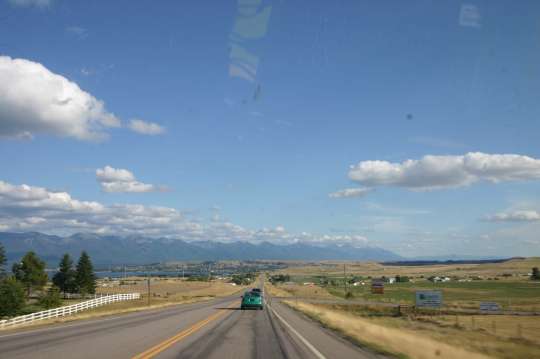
x=515 y=216
x=77 y=31
x=34 y=100
x=146 y=128
x=350 y=192
x=29 y=3
x=24 y=207
x=440 y=172
x=121 y=180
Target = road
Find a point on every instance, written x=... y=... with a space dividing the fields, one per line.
x=215 y=329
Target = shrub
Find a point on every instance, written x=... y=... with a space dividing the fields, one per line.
x=280 y=278
x=535 y=274
x=402 y=279
x=50 y=299
x=11 y=297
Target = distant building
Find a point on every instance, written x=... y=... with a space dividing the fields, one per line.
x=377 y=286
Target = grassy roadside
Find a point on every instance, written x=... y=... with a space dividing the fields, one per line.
x=470 y=336
x=385 y=339
x=275 y=291
x=319 y=318
x=451 y=332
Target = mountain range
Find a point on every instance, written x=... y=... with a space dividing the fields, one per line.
x=117 y=250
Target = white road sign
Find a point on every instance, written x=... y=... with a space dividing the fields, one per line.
x=490 y=306
x=428 y=299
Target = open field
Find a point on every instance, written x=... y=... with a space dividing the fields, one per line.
x=165 y=288
x=516 y=296
x=379 y=336
x=445 y=332
x=506 y=283
x=165 y=291
x=428 y=337
x=517 y=268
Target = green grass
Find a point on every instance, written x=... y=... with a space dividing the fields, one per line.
x=507 y=293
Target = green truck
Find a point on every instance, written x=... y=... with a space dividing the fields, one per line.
x=252 y=300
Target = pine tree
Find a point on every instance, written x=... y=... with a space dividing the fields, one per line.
x=50 y=299
x=85 y=277
x=11 y=297
x=535 y=274
x=64 y=279
x=30 y=272
x=2 y=261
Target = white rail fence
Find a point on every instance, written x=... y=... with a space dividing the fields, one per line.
x=67 y=310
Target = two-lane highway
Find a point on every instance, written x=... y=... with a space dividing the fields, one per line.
x=215 y=329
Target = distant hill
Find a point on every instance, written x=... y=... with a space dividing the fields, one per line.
x=111 y=250
x=447 y=262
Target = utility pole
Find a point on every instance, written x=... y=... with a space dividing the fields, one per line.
x=148 y=284
x=182 y=270
x=344 y=279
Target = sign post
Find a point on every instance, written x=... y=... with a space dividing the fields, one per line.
x=428 y=299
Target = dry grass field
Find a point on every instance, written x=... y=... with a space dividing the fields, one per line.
x=306 y=291
x=428 y=337
x=166 y=288
x=506 y=283
x=383 y=337
x=422 y=334
x=518 y=268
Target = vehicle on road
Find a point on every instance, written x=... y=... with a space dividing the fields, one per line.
x=252 y=300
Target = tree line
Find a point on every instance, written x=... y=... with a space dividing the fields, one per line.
x=28 y=277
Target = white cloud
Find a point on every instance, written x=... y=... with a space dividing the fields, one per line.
x=25 y=208
x=440 y=172
x=34 y=100
x=515 y=216
x=146 y=128
x=29 y=3
x=42 y=200
x=350 y=192
x=77 y=30
x=121 y=180
x=353 y=240
x=469 y=16
x=394 y=210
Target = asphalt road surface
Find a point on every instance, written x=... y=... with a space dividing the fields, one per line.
x=215 y=329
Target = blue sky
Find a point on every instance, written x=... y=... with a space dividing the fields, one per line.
x=263 y=106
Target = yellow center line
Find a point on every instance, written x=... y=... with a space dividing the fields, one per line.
x=155 y=350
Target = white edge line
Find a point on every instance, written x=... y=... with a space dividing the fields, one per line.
x=317 y=353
